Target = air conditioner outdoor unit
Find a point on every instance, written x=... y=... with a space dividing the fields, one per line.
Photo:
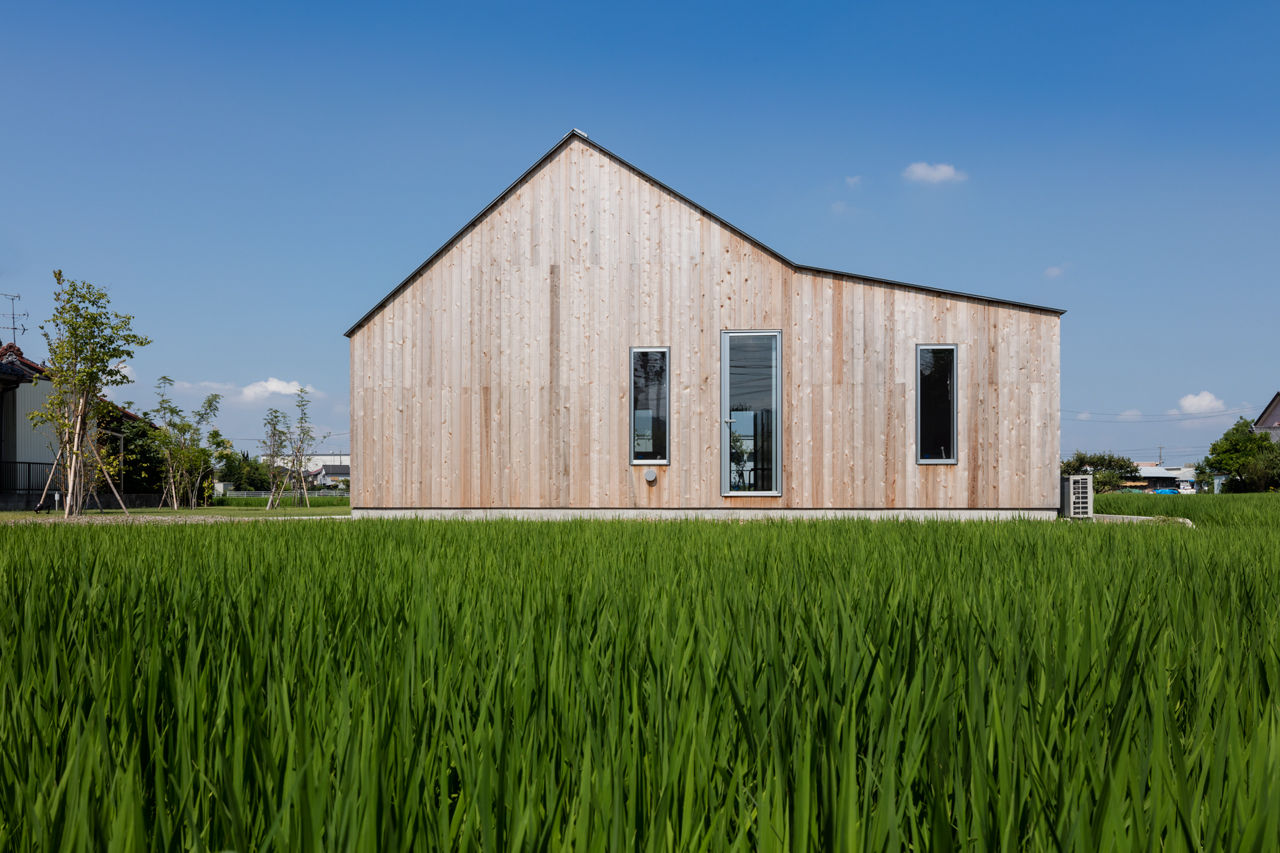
x=1077 y=496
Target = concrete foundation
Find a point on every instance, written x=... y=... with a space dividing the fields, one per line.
x=646 y=514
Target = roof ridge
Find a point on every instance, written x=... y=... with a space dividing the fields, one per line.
x=575 y=133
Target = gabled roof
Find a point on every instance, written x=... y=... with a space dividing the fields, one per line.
x=578 y=135
x=1270 y=417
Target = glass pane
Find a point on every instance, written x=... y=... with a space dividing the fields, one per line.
x=937 y=403
x=752 y=393
x=649 y=405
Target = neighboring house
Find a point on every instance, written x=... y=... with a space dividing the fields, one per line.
x=27 y=452
x=329 y=475
x=315 y=461
x=1269 y=420
x=595 y=343
x=1152 y=475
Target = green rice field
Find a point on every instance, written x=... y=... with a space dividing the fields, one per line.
x=396 y=685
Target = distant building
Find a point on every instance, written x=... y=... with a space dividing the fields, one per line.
x=1269 y=420
x=330 y=475
x=322 y=469
x=313 y=462
x=1153 y=475
x=1180 y=477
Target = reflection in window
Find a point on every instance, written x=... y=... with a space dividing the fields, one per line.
x=750 y=404
x=649 y=405
x=936 y=404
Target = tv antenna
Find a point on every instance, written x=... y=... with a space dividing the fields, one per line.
x=14 y=326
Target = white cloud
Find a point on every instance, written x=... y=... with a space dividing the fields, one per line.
x=1130 y=415
x=838 y=207
x=264 y=388
x=852 y=181
x=254 y=392
x=1200 y=404
x=1084 y=416
x=127 y=369
x=1055 y=272
x=933 y=173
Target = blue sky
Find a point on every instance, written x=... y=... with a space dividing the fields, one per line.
x=249 y=179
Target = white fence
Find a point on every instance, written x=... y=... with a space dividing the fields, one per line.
x=325 y=493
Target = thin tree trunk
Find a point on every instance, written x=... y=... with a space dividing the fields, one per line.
x=75 y=463
x=103 y=469
x=53 y=469
x=171 y=481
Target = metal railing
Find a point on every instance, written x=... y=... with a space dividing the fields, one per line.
x=326 y=493
x=25 y=477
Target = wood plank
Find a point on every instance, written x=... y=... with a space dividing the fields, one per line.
x=501 y=376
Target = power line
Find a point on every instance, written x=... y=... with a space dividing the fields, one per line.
x=1138 y=418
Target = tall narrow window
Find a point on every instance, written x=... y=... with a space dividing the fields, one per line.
x=650 y=393
x=936 y=404
x=750 y=402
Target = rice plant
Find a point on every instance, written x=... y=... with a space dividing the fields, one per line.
x=595 y=685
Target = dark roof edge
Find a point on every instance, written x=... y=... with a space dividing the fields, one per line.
x=577 y=134
x=1267 y=408
x=927 y=288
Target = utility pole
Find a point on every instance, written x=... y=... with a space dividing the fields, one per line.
x=1161 y=462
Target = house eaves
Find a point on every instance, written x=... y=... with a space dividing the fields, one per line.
x=1272 y=409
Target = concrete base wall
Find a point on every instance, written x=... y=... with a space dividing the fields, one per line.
x=11 y=501
x=548 y=514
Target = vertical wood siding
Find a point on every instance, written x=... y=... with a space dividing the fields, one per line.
x=499 y=376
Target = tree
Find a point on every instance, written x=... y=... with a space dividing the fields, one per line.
x=302 y=442
x=275 y=429
x=88 y=346
x=130 y=439
x=1251 y=460
x=187 y=452
x=1108 y=470
x=244 y=472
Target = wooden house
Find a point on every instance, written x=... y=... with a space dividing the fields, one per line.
x=595 y=343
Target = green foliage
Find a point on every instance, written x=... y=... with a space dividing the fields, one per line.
x=1251 y=460
x=245 y=472
x=142 y=470
x=189 y=453
x=1240 y=512
x=1108 y=470
x=507 y=685
x=276 y=429
x=88 y=345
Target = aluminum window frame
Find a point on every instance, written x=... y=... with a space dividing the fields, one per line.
x=955 y=405
x=725 y=472
x=631 y=405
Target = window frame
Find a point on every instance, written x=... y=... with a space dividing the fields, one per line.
x=631 y=405
x=725 y=472
x=954 y=459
